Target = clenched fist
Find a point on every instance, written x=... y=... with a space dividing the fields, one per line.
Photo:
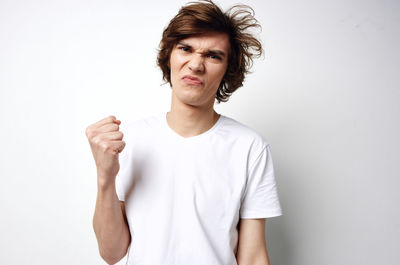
x=106 y=143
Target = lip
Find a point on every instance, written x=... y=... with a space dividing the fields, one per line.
x=192 y=80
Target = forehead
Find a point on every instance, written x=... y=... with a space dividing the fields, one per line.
x=207 y=41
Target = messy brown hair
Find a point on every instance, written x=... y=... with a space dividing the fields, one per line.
x=196 y=18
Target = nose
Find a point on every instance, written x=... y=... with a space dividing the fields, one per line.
x=196 y=63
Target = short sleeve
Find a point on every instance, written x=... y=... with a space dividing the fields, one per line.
x=260 y=199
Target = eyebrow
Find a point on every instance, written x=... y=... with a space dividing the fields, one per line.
x=213 y=52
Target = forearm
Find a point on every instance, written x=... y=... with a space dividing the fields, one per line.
x=110 y=227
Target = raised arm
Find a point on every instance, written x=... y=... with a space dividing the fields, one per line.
x=109 y=220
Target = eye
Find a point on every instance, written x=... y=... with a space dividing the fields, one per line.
x=184 y=48
x=214 y=57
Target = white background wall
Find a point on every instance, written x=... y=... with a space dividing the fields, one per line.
x=326 y=97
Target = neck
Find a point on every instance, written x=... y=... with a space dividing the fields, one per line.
x=188 y=120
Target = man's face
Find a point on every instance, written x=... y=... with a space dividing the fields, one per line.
x=198 y=65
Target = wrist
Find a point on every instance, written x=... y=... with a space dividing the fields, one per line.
x=105 y=182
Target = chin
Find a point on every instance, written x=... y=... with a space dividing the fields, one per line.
x=190 y=100
x=189 y=95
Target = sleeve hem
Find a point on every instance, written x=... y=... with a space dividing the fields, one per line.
x=120 y=197
x=261 y=215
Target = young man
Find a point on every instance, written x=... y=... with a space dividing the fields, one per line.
x=192 y=186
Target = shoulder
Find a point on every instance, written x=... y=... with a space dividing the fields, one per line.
x=243 y=139
x=244 y=133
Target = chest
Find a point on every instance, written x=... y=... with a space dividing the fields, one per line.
x=206 y=182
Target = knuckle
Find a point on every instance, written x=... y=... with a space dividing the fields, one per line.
x=98 y=140
x=90 y=134
x=88 y=131
x=104 y=146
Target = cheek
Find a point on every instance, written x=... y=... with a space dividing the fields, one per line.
x=219 y=73
x=174 y=68
x=175 y=61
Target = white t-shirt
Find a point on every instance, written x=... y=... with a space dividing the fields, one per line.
x=184 y=196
